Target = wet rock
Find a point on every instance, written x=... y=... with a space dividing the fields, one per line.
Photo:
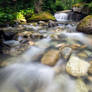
x=11 y=43
x=59 y=29
x=90 y=78
x=85 y=25
x=90 y=68
x=89 y=53
x=80 y=86
x=51 y=23
x=77 y=67
x=15 y=50
x=77 y=46
x=33 y=23
x=54 y=36
x=42 y=23
x=82 y=55
x=81 y=8
x=75 y=16
x=51 y=57
x=62 y=45
x=66 y=52
x=25 y=34
x=37 y=36
x=7 y=34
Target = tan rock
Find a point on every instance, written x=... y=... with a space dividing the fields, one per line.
x=82 y=55
x=77 y=67
x=74 y=46
x=90 y=78
x=90 y=68
x=51 y=57
x=62 y=45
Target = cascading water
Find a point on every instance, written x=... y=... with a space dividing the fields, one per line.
x=62 y=19
x=61 y=16
x=27 y=74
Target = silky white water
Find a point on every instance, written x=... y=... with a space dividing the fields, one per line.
x=61 y=16
x=26 y=73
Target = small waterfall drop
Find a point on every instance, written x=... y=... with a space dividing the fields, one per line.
x=61 y=16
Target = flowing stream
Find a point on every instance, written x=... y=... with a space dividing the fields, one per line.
x=27 y=74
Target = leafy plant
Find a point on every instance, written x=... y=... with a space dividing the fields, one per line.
x=27 y=12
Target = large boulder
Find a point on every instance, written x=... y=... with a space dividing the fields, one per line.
x=43 y=16
x=77 y=67
x=85 y=25
x=51 y=57
x=81 y=8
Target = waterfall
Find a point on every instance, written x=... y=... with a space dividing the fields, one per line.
x=61 y=16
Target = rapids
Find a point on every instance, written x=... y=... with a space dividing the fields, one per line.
x=25 y=73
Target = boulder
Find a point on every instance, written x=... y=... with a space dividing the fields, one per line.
x=51 y=57
x=85 y=25
x=51 y=23
x=81 y=8
x=90 y=78
x=77 y=67
x=42 y=23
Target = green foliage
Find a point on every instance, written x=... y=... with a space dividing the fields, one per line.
x=60 y=5
x=5 y=18
x=27 y=12
x=19 y=15
x=16 y=9
x=49 y=5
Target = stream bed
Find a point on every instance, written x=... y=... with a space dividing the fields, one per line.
x=45 y=59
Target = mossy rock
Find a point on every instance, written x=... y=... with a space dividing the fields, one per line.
x=85 y=25
x=78 y=5
x=43 y=16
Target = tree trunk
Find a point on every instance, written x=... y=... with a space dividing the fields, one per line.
x=38 y=5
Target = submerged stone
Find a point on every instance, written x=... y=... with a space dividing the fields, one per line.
x=66 y=52
x=51 y=57
x=90 y=68
x=77 y=67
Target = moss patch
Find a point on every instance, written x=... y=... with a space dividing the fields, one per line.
x=85 y=21
x=45 y=16
x=85 y=25
x=79 y=5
